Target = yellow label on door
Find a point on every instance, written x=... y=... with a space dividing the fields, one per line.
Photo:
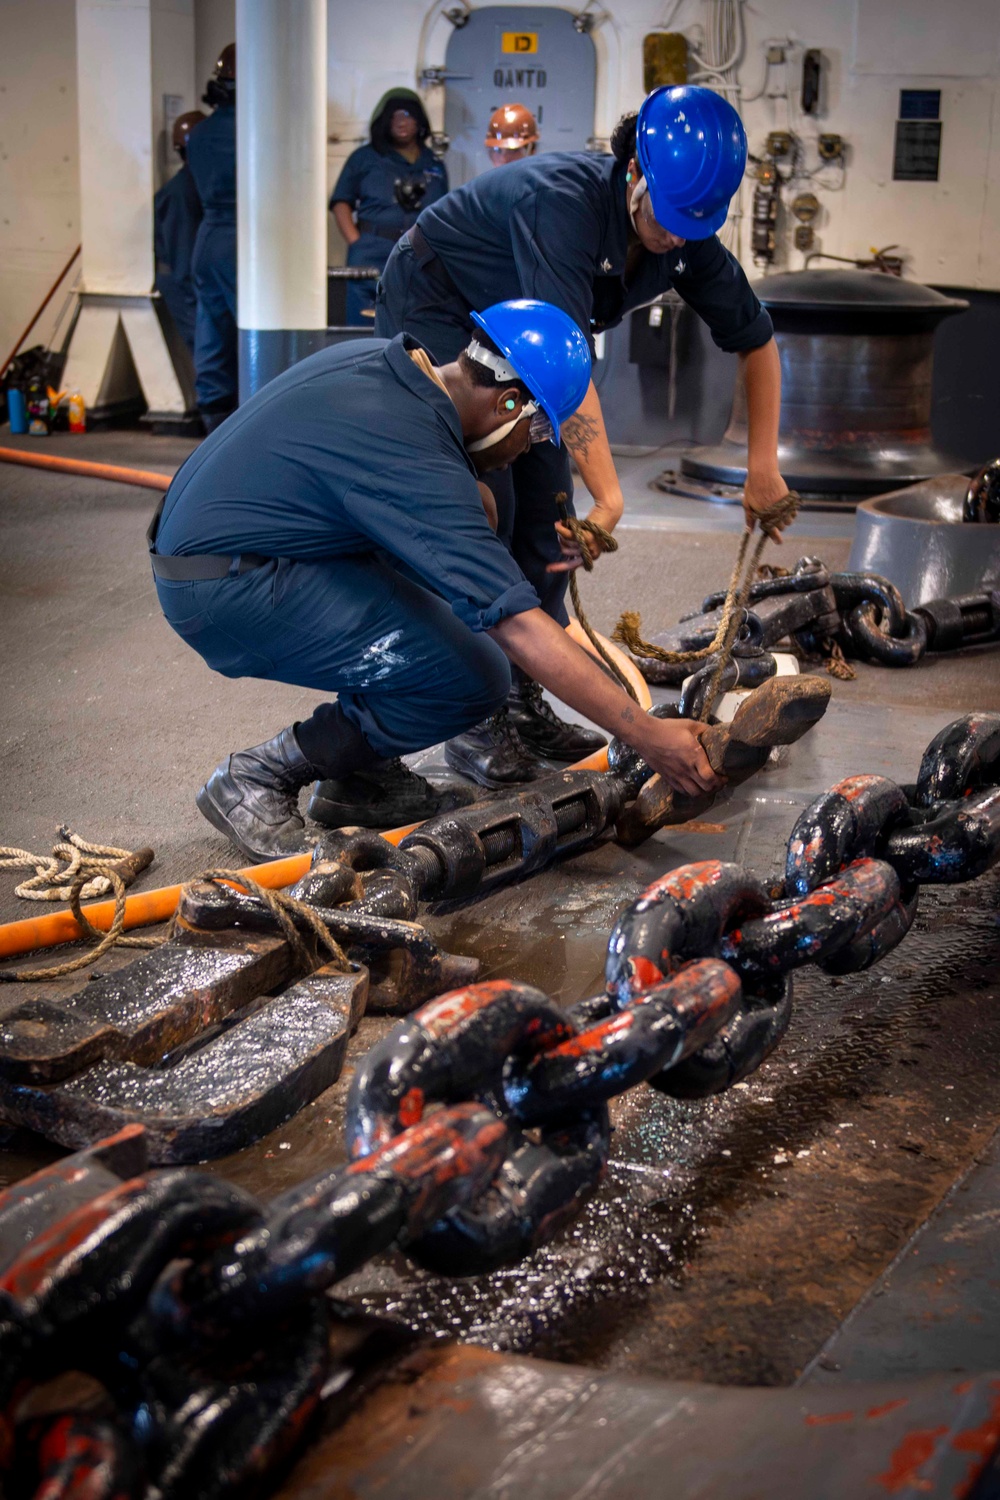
x=519 y=41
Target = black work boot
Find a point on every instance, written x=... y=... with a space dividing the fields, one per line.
x=387 y=794
x=492 y=754
x=253 y=798
x=542 y=730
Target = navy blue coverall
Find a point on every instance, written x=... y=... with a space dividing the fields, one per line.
x=554 y=227
x=176 y=216
x=348 y=473
x=367 y=184
x=212 y=160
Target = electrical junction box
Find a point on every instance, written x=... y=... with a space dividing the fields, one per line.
x=664 y=60
x=805 y=207
x=812 y=71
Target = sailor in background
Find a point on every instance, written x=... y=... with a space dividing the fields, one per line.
x=381 y=189
x=212 y=163
x=511 y=135
x=596 y=236
x=176 y=216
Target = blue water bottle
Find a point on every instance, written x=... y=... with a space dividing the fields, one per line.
x=17 y=411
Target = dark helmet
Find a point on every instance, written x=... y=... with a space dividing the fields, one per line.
x=183 y=126
x=221 y=87
x=225 y=65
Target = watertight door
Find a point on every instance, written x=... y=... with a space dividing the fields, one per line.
x=523 y=54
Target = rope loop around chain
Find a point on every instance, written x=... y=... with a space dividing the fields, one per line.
x=283 y=907
x=628 y=630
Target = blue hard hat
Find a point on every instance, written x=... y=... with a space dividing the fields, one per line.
x=692 y=150
x=545 y=348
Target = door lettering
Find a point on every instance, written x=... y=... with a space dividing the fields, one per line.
x=520 y=78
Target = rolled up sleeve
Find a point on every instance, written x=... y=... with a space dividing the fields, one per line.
x=516 y=600
x=433 y=521
x=714 y=284
x=347 y=188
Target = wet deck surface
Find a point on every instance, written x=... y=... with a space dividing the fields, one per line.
x=731 y=1237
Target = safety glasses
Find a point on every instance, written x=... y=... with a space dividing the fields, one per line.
x=540 y=428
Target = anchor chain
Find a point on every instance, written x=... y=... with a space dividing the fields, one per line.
x=826 y=615
x=475 y=1129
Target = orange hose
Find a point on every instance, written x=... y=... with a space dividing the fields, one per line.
x=147 y=907
x=146 y=478
x=624 y=663
x=596 y=762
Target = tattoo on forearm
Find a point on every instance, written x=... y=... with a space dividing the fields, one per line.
x=579 y=432
x=628 y=715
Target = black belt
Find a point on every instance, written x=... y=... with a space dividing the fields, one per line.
x=367 y=227
x=422 y=248
x=428 y=260
x=197 y=569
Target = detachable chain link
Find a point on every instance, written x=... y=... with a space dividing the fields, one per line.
x=818 y=614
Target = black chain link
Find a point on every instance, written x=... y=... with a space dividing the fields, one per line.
x=860 y=614
x=477 y=1127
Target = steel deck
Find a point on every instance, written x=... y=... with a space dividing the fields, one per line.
x=732 y=1238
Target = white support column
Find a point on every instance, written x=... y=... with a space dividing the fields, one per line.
x=135 y=60
x=281 y=184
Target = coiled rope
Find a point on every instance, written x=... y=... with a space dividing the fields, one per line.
x=56 y=873
x=283 y=907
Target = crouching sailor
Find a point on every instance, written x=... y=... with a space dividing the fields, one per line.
x=332 y=534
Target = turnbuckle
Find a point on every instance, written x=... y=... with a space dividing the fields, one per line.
x=477 y=848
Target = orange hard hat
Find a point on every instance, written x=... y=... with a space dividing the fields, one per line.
x=511 y=126
x=183 y=126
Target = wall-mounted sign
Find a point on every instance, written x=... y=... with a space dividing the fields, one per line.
x=920 y=104
x=521 y=42
x=917 y=153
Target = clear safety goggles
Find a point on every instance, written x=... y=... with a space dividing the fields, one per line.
x=539 y=428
